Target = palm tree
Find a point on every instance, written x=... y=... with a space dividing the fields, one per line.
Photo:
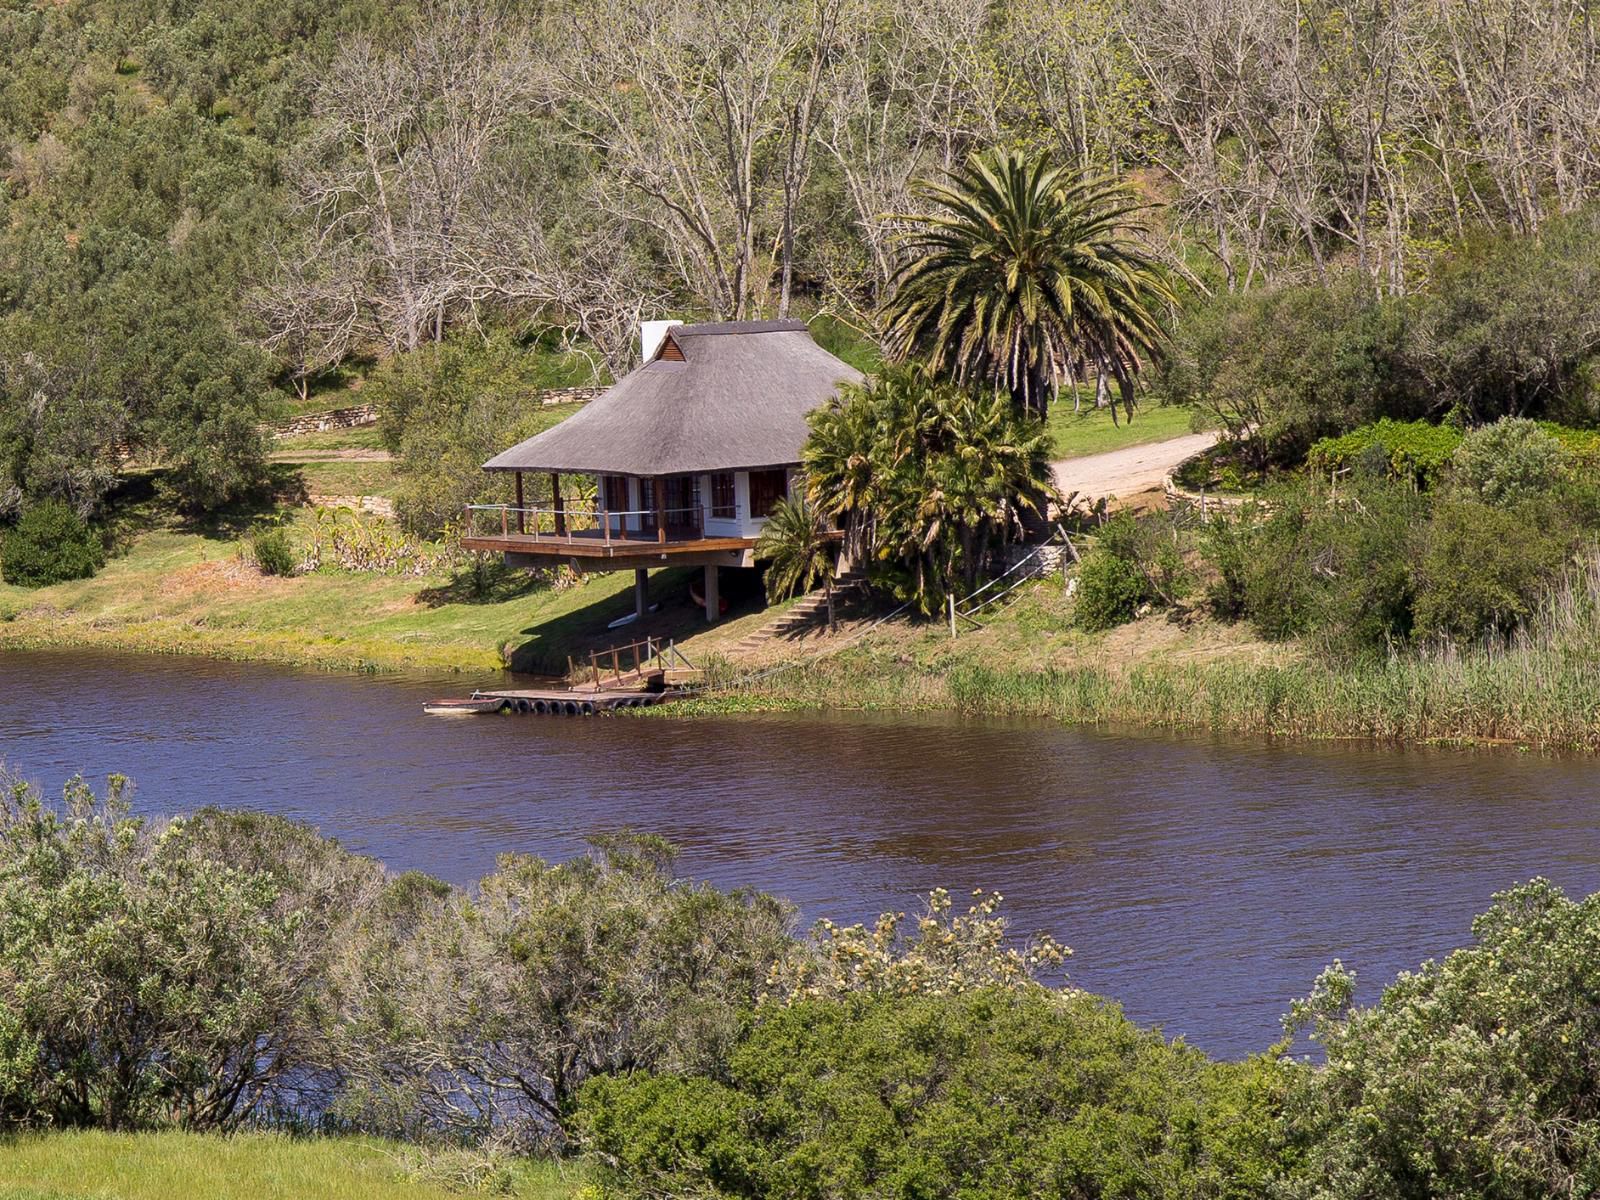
x=931 y=472
x=795 y=541
x=1026 y=274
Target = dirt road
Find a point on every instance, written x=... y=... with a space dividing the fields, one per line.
x=1123 y=473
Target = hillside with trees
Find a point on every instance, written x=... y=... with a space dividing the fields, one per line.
x=210 y=209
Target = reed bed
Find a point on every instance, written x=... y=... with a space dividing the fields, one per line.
x=1539 y=687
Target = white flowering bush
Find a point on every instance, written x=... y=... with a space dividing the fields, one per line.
x=939 y=953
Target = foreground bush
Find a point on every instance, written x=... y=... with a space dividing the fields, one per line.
x=1473 y=1077
x=155 y=975
x=485 y=1014
x=50 y=544
x=995 y=1093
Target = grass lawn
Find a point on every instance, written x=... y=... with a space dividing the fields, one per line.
x=1091 y=432
x=176 y=590
x=363 y=437
x=346 y=478
x=176 y=1166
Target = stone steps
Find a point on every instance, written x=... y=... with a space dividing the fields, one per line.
x=810 y=609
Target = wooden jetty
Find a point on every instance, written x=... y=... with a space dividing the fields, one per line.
x=631 y=676
x=572 y=702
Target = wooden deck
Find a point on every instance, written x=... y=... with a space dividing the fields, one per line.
x=575 y=702
x=591 y=544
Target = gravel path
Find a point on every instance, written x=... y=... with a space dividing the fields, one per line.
x=1124 y=472
x=313 y=456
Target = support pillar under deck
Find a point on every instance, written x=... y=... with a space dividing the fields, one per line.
x=713 y=600
x=641 y=591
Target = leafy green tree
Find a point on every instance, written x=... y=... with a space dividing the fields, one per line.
x=1026 y=273
x=797 y=544
x=1473 y=1077
x=50 y=544
x=446 y=409
x=1279 y=368
x=486 y=1014
x=162 y=975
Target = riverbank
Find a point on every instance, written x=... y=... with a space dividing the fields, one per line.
x=253 y=1166
x=1186 y=672
x=178 y=592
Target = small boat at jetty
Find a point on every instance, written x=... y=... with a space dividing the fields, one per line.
x=467 y=707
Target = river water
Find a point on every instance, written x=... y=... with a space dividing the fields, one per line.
x=1202 y=883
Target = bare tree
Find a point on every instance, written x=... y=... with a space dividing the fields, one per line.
x=403 y=142
x=911 y=93
x=701 y=112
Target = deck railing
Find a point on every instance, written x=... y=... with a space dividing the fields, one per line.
x=585 y=523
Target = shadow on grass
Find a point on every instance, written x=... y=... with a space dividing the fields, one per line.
x=483 y=583
x=576 y=633
x=283 y=488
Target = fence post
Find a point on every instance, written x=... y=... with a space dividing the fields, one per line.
x=951 y=597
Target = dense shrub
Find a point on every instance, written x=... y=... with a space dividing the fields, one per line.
x=50 y=544
x=1110 y=590
x=1266 y=561
x=273 y=552
x=1365 y=574
x=1226 y=545
x=1485 y=566
x=1135 y=561
x=1415 y=450
x=162 y=975
x=1335 y=569
x=1508 y=462
x=989 y=1094
x=1472 y=1077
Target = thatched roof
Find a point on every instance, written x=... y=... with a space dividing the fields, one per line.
x=738 y=400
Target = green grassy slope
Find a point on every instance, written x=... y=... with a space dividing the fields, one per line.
x=175 y=1166
x=1074 y=435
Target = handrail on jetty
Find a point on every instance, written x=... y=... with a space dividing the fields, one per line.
x=646 y=658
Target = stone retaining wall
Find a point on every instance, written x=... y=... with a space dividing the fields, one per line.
x=338 y=418
x=1047 y=559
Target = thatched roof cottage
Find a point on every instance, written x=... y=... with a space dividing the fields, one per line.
x=689 y=453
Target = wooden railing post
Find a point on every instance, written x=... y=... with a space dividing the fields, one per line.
x=522 y=525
